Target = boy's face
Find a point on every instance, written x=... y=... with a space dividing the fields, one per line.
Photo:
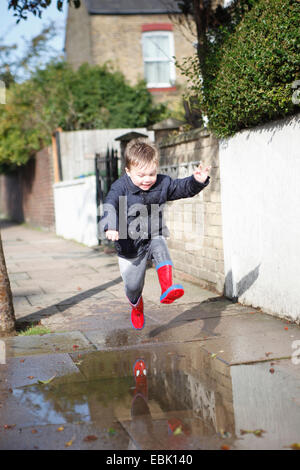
x=143 y=176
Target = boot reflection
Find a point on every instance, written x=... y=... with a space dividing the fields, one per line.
x=141 y=423
x=164 y=433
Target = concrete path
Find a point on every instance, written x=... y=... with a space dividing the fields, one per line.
x=77 y=292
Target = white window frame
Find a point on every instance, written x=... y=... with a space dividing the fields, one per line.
x=169 y=35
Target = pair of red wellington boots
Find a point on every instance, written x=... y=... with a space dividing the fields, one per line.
x=169 y=293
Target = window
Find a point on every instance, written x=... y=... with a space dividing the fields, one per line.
x=158 y=52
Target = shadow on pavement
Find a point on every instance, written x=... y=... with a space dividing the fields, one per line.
x=191 y=315
x=65 y=304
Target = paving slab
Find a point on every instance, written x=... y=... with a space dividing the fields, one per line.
x=26 y=291
x=21 y=302
x=74 y=436
x=52 y=273
x=32 y=315
x=19 y=275
x=45 y=344
x=240 y=323
x=80 y=295
x=188 y=312
x=105 y=316
x=121 y=337
x=73 y=285
x=27 y=370
x=249 y=349
x=14 y=267
x=44 y=300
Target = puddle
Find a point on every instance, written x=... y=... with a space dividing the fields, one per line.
x=169 y=397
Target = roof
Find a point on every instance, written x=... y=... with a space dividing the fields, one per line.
x=131 y=7
x=130 y=135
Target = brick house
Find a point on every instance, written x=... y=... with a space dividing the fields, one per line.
x=138 y=37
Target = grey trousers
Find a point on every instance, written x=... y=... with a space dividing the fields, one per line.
x=133 y=270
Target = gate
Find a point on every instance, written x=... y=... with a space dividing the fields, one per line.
x=107 y=171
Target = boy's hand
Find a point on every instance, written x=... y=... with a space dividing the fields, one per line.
x=200 y=174
x=112 y=235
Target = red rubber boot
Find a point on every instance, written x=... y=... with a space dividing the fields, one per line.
x=170 y=292
x=137 y=314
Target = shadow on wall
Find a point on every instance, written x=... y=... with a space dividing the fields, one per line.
x=234 y=290
x=273 y=127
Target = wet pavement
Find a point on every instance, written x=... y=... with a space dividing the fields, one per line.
x=174 y=396
x=204 y=373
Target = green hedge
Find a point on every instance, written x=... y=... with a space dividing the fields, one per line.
x=250 y=78
x=250 y=68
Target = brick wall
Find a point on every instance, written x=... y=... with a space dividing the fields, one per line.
x=78 y=37
x=27 y=194
x=98 y=39
x=118 y=39
x=195 y=224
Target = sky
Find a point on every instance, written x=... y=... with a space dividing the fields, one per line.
x=13 y=33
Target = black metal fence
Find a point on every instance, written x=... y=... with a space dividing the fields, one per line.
x=107 y=171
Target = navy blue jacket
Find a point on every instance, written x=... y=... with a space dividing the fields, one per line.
x=137 y=207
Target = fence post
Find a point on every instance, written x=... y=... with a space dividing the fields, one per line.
x=108 y=171
x=98 y=194
x=115 y=172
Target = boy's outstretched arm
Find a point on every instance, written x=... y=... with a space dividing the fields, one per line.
x=190 y=186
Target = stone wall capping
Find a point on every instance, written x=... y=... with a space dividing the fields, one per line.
x=180 y=138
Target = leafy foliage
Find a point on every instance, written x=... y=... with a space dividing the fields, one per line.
x=16 y=67
x=249 y=68
x=21 y=8
x=93 y=97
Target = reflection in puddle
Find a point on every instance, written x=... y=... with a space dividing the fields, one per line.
x=173 y=397
x=49 y=412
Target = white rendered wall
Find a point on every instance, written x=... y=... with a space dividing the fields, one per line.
x=76 y=210
x=260 y=193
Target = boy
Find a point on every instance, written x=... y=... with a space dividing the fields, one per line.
x=133 y=220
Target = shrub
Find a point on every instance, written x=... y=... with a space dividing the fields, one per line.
x=249 y=69
x=93 y=97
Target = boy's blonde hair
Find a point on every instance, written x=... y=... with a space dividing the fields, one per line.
x=140 y=152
